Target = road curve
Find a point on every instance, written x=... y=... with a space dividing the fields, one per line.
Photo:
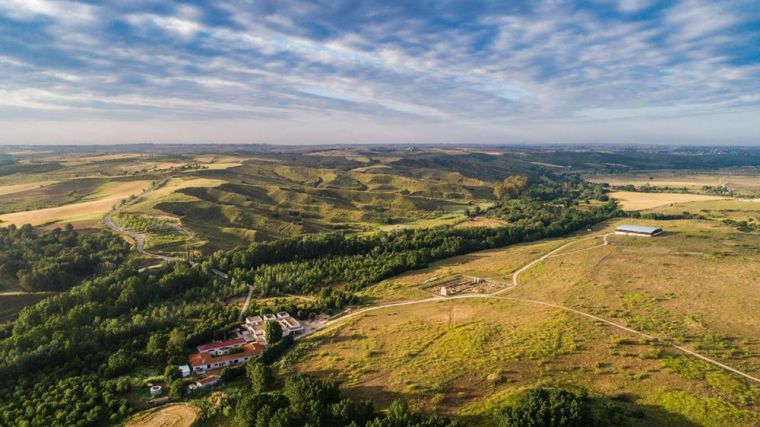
x=139 y=238
x=549 y=254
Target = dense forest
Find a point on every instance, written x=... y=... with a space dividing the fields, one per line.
x=100 y=331
x=56 y=260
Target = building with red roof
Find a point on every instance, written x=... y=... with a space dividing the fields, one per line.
x=221 y=347
x=205 y=361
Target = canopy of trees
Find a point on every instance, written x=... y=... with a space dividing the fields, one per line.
x=97 y=333
x=272 y=332
x=301 y=400
x=545 y=408
x=57 y=259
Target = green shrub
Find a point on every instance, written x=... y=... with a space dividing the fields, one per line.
x=545 y=408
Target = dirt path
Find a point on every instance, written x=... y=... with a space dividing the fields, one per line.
x=246 y=303
x=351 y=314
x=550 y=254
x=139 y=238
x=19 y=293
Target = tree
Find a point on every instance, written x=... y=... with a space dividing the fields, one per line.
x=398 y=412
x=258 y=409
x=348 y=410
x=545 y=408
x=171 y=373
x=176 y=343
x=260 y=375
x=156 y=347
x=302 y=390
x=177 y=388
x=272 y=332
x=511 y=187
x=119 y=363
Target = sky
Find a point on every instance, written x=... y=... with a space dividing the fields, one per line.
x=321 y=72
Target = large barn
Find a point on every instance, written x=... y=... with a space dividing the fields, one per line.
x=638 y=230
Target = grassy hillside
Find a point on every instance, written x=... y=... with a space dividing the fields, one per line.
x=469 y=357
x=232 y=195
x=290 y=195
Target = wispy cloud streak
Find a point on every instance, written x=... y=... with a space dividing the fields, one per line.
x=496 y=71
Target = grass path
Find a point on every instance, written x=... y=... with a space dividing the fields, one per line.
x=351 y=314
x=18 y=188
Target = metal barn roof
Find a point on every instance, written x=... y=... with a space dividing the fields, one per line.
x=638 y=229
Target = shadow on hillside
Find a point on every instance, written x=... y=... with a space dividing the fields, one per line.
x=380 y=396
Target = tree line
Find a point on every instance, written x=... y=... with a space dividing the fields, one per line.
x=299 y=400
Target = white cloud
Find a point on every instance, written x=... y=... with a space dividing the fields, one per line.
x=693 y=19
x=183 y=28
x=554 y=63
x=633 y=6
x=59 y=10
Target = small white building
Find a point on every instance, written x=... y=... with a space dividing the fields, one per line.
x=184 y=370
x=206 y=381
x=255 y=325
x=637 y=230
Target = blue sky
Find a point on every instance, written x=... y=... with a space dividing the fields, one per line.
x=466 y=71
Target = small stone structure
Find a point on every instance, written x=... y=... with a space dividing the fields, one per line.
x=155 y=390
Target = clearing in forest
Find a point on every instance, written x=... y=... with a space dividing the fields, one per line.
x=636 y=201
x=177 y=415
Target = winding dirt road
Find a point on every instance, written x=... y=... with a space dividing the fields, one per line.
x=139 y=238
x=549 y=254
